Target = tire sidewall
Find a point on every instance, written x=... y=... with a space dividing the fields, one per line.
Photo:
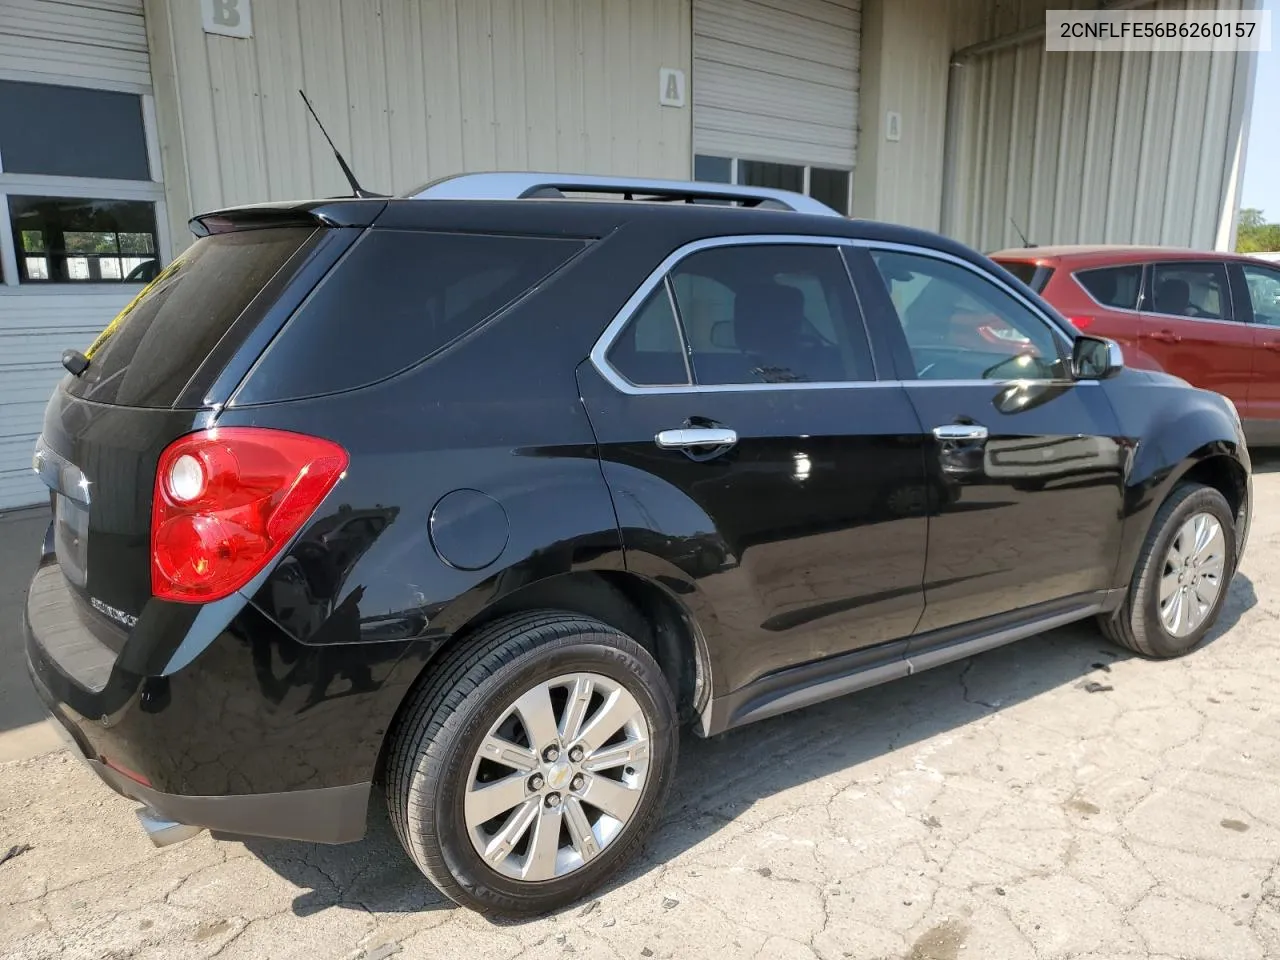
x=462 y=734
x=1163 y=643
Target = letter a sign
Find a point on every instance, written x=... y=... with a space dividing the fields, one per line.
x=671 y=87
x=228 y=18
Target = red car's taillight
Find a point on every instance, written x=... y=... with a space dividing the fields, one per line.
x=226 y=501
x=1080 y=323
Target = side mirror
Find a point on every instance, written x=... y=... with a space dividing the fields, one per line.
x=1096 y=358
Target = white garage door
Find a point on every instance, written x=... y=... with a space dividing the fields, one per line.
x=80 y=199
x=775 y=93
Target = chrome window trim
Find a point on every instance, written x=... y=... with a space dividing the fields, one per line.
x=661 y=274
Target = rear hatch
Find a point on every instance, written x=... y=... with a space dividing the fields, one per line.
x=159 y=370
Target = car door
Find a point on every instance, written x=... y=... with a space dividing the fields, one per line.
x=1026 y=460
x=1189 y=328
x=738 y=418
x=1260 y=286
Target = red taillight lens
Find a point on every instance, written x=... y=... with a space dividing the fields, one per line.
x=1081 y=323
x=226 y=500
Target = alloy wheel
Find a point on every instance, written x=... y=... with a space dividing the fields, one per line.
x=1192 y=578
x=558 y=777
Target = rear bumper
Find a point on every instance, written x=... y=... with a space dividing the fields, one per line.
x=321 y=815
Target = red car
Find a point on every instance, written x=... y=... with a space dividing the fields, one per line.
x=1212 y=319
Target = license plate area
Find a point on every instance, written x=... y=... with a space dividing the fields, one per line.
x=70 y=495
x=71 y=539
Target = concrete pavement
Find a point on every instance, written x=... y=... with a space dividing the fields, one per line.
x=1052 y=799
x=24 y=732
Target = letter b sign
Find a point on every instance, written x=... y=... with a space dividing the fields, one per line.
x=230 y=18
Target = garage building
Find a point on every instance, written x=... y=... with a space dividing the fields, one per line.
x=119 y=119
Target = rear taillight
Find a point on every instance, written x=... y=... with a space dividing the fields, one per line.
x=227 y=500
x=1081 y=323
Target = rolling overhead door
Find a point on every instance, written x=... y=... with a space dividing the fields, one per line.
x=776 y=80
x=81 y=203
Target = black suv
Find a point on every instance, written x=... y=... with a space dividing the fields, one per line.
x=481 y=494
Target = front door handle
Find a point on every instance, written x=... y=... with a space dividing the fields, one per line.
x=960 y=431
x=1166 y=336
x=688 y=437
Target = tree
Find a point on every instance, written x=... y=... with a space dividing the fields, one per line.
x=1254 y=234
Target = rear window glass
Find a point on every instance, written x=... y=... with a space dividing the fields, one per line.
x=1032 y=275
x=398 y=297
x=153 y=347
x=1113 y=286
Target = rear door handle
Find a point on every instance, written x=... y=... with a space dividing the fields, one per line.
x=960 y=431
x=688 y=437
x=1166 y=336
x=1273 y=345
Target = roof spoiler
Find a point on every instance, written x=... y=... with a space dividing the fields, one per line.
x=319 y=213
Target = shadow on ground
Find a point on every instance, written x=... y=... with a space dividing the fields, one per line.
x=721 y=778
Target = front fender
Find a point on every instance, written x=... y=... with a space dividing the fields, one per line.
x=1171 y=430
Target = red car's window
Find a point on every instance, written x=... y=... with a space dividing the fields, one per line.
x=1197 y=290
x=1113 y=286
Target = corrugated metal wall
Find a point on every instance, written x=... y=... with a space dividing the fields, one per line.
x=34 y=330
x=901 y=180
x=1095 y=148
x=416 y=89
x=777 y=79
x=100 y=43
x=104 y=40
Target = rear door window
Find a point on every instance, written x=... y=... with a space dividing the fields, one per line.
x=397 y=298
x=149 y=352
x=770 y=313
x=1195 y=290
x=1116 y=287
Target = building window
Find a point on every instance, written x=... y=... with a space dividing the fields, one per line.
x=825 y=184
x=72 y=132
x=71 y=239
x=80 y=200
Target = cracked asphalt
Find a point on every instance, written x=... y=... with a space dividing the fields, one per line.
x=1056 y=798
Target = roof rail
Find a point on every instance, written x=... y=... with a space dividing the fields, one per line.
x=518 y=186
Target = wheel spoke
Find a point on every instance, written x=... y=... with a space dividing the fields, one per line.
x=509 y=754
x=540 y=862
x=611 y=797
x=584 y=841
x=1206 y=593
x=485 y=801
x=499 y=848
x=1168 y=586
x=618 y=709
x=1208 y=533
x=606 y=758
x=1171 y=613
x=1213 y=566
x=534 y=710
x=575 y=709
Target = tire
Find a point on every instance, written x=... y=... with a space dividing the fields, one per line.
x=434 y=761
x=1138 y=624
